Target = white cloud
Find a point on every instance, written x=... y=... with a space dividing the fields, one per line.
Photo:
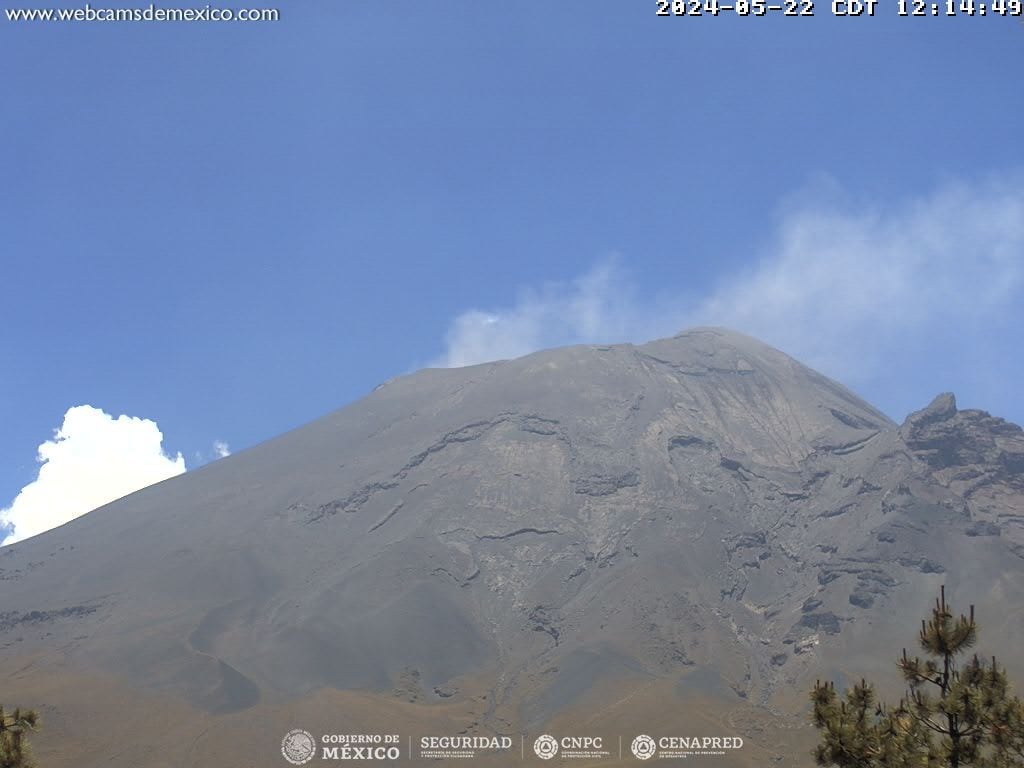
x=221 y=449
x=844 y=287
x=92 y=459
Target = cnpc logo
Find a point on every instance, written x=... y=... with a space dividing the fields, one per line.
x=547 y=746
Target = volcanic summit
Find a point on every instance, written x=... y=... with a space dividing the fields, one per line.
x=675 y=536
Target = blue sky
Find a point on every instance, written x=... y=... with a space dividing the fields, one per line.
x=232 y=229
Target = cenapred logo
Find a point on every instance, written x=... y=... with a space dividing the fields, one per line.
x=545 y=747
x=643 y=747
x=298 y=746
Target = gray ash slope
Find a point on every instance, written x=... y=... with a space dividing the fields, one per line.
x=701 y=508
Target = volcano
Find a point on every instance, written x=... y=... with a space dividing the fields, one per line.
x=671 y=538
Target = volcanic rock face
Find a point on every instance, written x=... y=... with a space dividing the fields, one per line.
x=696 y=526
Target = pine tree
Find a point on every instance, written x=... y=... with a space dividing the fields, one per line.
x=14 y=752
x=953 y=716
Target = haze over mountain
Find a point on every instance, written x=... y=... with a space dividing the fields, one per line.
x=674 y=537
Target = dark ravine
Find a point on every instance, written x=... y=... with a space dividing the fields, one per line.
x=690 y=530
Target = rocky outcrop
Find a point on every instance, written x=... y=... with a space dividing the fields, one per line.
x=966 y=444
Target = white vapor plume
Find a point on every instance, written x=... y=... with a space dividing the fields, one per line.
x=843 y=288
x=595 y=306
x=92 y=460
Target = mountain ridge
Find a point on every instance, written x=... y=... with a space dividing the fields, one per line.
x=511 y=545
